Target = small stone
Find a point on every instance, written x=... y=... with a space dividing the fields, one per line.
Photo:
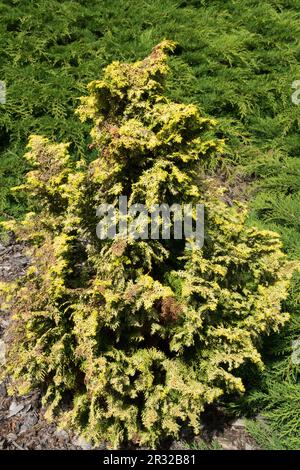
x=81 y=442
x=14 y=409
x=29 y=421
x=2 y=352
x=61 y=434
x=3 y=323
x=11 y=436
x=225 y=444
x=238 y=423
x=249 y=447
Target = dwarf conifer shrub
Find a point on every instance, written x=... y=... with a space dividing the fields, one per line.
x=128 y=338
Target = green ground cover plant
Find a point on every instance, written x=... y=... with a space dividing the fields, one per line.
x=236 y=60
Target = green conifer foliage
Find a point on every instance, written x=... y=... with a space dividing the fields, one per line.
x=130 y=339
